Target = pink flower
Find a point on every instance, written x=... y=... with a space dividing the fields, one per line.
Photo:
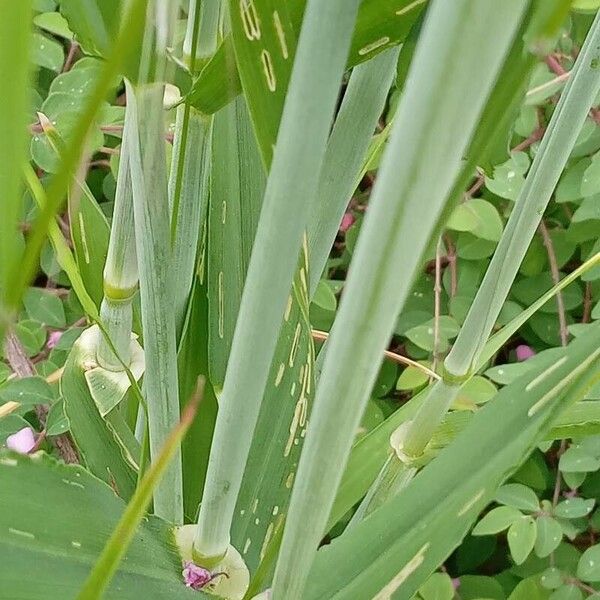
x=195 y=577
x=347 y=222
x=53 y=339
x=22 y=442
x=524 y=352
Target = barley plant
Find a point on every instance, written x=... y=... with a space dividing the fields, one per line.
x=300 y=299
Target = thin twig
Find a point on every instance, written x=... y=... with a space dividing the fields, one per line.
x=70 y=57
x=587 y=303
x=562 y=317
x=321 y=336
x=451 y=257
x=555 y=65
x=547 y=84
x=536 y=136
x=437 y=292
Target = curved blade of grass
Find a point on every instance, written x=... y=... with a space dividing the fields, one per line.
x=64 y=256
x=152 y=234
x=90 y=233
x=496 y=341
x=237 y=188
x=279 y=434
x=193 y=363
x=15 y=24
x=380 y=24
x=132 y=30
x=352 y=132
x=123 y=534
x=236 y=185
x=396 y=548
x=548 y=164
x=190 y=165
x=418 y=169
x=291 y=186
x=370 y=452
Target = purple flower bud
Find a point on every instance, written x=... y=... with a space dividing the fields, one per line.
x=53 y=339
x=347 y=222
x=22 y=442
x=524 y=352
x=195 y=577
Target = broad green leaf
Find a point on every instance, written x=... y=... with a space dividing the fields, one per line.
x=576 y=460
x=437 y=587
x=574 y=508
x=11 y=424
x=509 y=178
x=324 y=297
x=478 y=586
x=64 y=535
x=265 y=45
x=32 y=335
x=497 y=520
x=54 y=23
x=569 y=186
x=44 y=307
x=588 y=210
x=14 y=68
x=380 y=24
x=521 y=538
x=551 y=578
x=411 y=378
x=476 y=390
x=442 y=501
x=590 y=183
x=57 y=422
x=567 y=592
x=95 y=23
x=28 y=392
x=588 y=568
x=518 y=496
x=63 y=110
x=549 y=536
x=424 y=335
x=479 y=217
x=47 y=52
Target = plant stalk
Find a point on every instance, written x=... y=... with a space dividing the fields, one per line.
x=556 y=146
